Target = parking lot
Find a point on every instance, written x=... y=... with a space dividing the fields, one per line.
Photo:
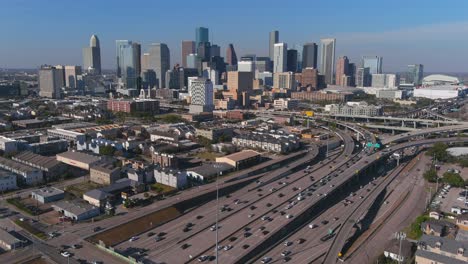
x=449 y=199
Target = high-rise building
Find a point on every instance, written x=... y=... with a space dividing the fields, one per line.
x=144 y=62
x=239 y=82
x=363 y=77
x=50 y=82
x=310 y=77
x=392 y=80
x=374 y=63
x=263 y=64
x=378 y=80
x=193 y=61
x=327 y=59
x=149 y=79
x=286 y=80
x=309 y=55
x=385 y=80
x=415 y=74
x=127 y=64
x=246 y=66
x=342 y=71
x=71 y=76
x=175 y=78
x=92 y=56
x=274 y=38
x=231 y=57
x=159 y=61
x=188 y=47
x=204 y=51
x=299 y=49
x=291 y=64
x=212 y=74
x=280 y=57
x=137 y=57
x=201 y=35
x=201 y=90
x=352 y=74
x=215 y=50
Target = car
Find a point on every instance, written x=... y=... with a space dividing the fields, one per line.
x=232 y=239
x=202 y=258
x=247 y=234
x=65 y=254
x=312 y=226
x=286 y=259
x=253 y=207
x=266 y=260
x=289 y=216
x=185 y=246
x=324 y=222
x=250 y=215
x=228 y=247
x=75 y=246
x=265 y=217
x=280 y=195
x=199 y=217
x=246 y=229
x=151 y=234
x=335 y=218
x=300 y=240
x=213 y=227
x=285 y=253
x=189 y=224
x=361 y=197
x=332 y=185
x=287 y=243
x=245 y=246
x=133 y=238
x=265 y=232
x=158 y=238
x=186 y=229
x=261 y=228
x=268 y=204
x=97 y=228
x=236 y=201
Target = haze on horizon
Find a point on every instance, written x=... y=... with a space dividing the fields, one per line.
x=434 y=34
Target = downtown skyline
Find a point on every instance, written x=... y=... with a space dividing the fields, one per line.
x=401 y=43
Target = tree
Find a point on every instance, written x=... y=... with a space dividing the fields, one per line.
x=454 y=179
x=463 y=161
x=106 y=150
x=431 y=175
x=439 y=151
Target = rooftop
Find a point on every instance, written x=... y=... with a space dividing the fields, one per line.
x=97 y=194
x=48 y=191
x=242 y=155
x=36 y=159
x=7 y=238
x=105 y=167
x=14 y=165
x=208 y=169
x=80 y=156
x=75 y=207
x=447 y=245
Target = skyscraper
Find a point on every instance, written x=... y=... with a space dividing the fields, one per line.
x=291 y=64
x=327 y=58
x=50 y=82
x=374 y=63
x=231 y=57
x=201 y=90
x=137 y=58
x=415 y=74
x=310 y=77
x=201 y=35
x=203 y=50
x=71 y=74
x=299 y=49
x=188 y=47
x=280 y=57
x=159 y=61
x=363 y=78
x=342 y=71
x=92 y=56
x=274 y=38
x=127 y=68
x=215 y=50
x=309 y=55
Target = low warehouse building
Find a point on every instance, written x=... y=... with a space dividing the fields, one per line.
x=47 y=195
x=78 y=159
x=8 y=241
x=104 y=173
x=242 y=159
x=76 y=210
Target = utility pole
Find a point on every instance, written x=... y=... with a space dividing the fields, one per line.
x=400 y=236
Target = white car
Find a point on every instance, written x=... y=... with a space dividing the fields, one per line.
x=289 y=216
x=65 y=254
x=133 y=238
x=312 y=226
x=266 y=260
x=461 y=199
x=228 y=247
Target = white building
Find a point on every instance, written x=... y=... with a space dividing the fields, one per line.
x=246 y=66
x=169 y=177
x=7 y=181
x=440 y=79
x=440 y=92
x=212 y=75
x=285 y=103
x=201 y=90
x=66 y=134
x=280 y=57
x=389 y=94
x=385 y=80
x=8 y=145
x=29 y=175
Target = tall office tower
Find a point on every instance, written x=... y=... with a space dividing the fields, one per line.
x=274 y=38
x=231 y=57
x=299 y=49
x=193 y=61
x=175 y=78
x=239 y=82
x=149 y=79
x=201 y=35
x=363 y=77
x=127 y=63
x=92 y=56
x=280 y=57
x=309 y=55
x=144 y=62
x=50 y=82
x=246 y=66
x=203 y=51
x=159 y=61
x=61 y=71
x=352 y=74
x=188 y=47
x=342 y=70
x=327 y=58
x=137 y=57
x=310 y=77
x=201 y=90
x=215 y=50
x=392 y=80
x=263 y=64
x=415 y=74
x=374 y=63
x=291 y=58
x=212 y=74
x=71 y=74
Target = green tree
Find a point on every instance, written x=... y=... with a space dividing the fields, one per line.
x=106 y=150
x=463 y=161
x=431 y=175
x=439 y=151
x=454 y=179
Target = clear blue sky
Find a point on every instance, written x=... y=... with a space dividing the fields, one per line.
x=434 y=33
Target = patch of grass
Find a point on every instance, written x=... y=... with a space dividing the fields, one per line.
x=80 y=188
x=161 y=188
x=207 y=155
x=18 y=204
x=414 y=230
x=31 y=229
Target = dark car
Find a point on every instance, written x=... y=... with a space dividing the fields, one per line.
x=324 y=222
x=151 y=234
x=184 y=246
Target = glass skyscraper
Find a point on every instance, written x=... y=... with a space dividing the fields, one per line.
x=201 y=35
x=374 y=63
x=415 y=74
x=127 y=62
